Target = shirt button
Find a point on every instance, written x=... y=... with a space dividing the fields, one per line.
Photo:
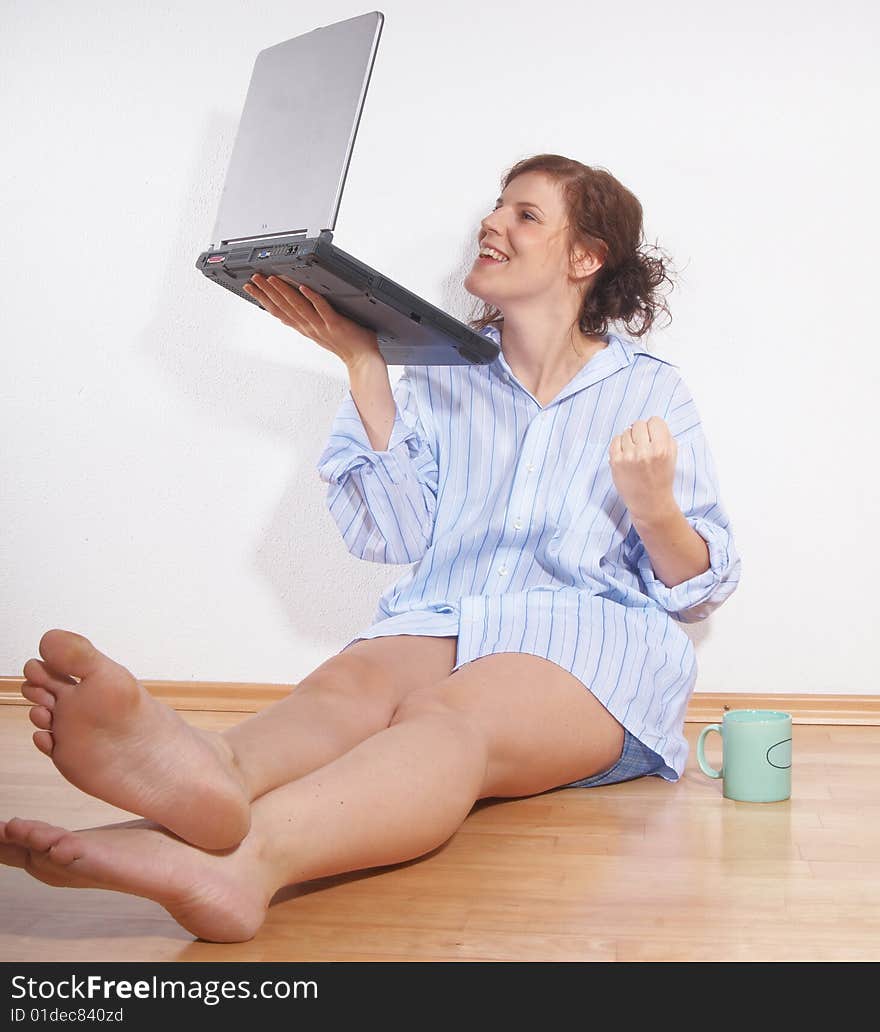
x=530 y=468
x=503 y=571
x=517 y=525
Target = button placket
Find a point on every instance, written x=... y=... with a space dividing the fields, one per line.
x=530 y=468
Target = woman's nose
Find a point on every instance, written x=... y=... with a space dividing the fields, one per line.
x=489 y=221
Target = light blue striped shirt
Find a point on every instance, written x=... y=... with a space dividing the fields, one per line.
x=519 y=539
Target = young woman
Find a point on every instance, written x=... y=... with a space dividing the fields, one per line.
x=562 y=512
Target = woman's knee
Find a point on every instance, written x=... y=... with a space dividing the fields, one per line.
x=383 y=671
x=433 y=699
x=445 y=703
x=531 y=744
x=350 y=683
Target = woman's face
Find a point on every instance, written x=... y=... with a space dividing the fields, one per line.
x=529 y=226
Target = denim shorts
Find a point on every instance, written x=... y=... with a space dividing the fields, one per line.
x=636 y=761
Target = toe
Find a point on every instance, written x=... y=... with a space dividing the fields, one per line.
x=41 y=717
x=39 y=696
x=36 y=672
x=44 y=741
x=36 y=835
x=40 y=674
x=15 y=830
x=12 y=853
x=69 y=653
x=13 y=856
x=66 y=849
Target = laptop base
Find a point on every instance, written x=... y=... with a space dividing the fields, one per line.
x=409 y=330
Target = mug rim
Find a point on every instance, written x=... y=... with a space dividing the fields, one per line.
x=772 y=716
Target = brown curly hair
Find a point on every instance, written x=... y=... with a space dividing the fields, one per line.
x=604 y=217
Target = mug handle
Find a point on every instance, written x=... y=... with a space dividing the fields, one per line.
x=701 y=756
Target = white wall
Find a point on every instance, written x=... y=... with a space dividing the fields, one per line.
x=159 y=437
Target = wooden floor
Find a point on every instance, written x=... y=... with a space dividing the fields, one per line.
x=644 y=870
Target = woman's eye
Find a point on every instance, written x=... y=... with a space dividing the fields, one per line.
x=530 y=215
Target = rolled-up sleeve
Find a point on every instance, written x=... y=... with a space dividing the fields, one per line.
x=383 y=502
x=697 y=492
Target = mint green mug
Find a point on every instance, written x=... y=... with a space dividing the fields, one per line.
x=756 y=755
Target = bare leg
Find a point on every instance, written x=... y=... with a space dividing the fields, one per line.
x=109 y=737
x=346 y=699
x=395 y=796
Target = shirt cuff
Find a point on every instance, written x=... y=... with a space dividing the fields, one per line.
x=351 y=453
x=698 y=589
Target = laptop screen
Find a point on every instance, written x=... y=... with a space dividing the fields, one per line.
x=297 y=132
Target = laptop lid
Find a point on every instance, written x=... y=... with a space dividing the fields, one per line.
x=305 y=96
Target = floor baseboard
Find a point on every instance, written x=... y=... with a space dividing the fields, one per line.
x=703 y=708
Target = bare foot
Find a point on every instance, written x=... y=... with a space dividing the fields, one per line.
x=112 y=739
x=221 y=897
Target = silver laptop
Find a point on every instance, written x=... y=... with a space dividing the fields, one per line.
x=283 y=188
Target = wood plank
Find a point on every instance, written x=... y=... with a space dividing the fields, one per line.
x=644 y=870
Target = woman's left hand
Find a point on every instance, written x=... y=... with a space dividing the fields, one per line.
x=642 y=462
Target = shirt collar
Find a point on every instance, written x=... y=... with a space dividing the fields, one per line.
x=616 y=356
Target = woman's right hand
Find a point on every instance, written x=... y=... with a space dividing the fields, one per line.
x=310 y=314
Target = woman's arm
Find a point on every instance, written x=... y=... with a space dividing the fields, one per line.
x=380 y=469
x=371 y=391
x=677 y=552
x=670 y=540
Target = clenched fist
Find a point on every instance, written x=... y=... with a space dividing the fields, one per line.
x=642 y=462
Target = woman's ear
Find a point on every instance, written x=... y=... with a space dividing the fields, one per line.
x=586 y=264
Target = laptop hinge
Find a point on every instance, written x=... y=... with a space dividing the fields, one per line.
x=267 y=236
